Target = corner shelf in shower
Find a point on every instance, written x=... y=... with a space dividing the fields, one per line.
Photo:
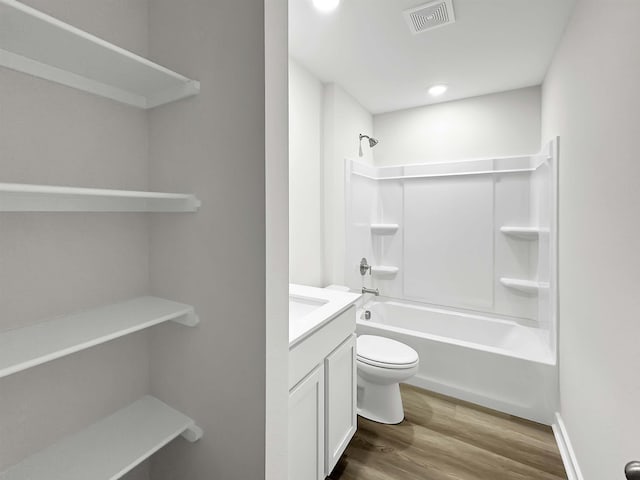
x=526 y=286
x=525 y=233
x=384 y=271
x=38 y=44
x=34 y=345
x=17 y=197
x=384 y=228
x=110 y=448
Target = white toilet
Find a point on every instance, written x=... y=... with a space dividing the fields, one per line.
x=382 y=364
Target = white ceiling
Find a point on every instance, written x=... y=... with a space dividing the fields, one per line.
x=366 y=47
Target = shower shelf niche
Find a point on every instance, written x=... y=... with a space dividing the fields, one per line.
x=384 y=271
x=524 y=233
x=384 y=228
x=27 y=347
x=110 y=448
x=526 y=286
x=16 y=197
x=35 y=43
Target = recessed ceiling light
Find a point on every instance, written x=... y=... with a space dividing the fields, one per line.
x=437 y=90
x=326 y=5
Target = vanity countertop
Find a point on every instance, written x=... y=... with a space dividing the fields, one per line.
x=310 y=308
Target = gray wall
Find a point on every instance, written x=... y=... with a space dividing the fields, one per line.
x=497 y=125
x=213 y=145
x=591 y=99
x=305 y=172
x=52 y=264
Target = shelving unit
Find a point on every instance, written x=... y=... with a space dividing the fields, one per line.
x=526 y=286
x=110 y=448
x=524 y=233
x=35 y=43
x=30 y=346
x=384 y=228
x=384 y=271
x=16 y=197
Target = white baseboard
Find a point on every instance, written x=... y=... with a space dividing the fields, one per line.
x=528 y=412
x=566 y=450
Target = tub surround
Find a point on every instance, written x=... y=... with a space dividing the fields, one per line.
x=478 y=234
x=466 y=254
x=310 y=308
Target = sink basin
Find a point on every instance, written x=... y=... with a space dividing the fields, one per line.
x=300 y=307
x=310 y=308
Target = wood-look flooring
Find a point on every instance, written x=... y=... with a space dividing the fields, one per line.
x=446 y=439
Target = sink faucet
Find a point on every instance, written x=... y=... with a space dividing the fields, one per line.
x=375 y=292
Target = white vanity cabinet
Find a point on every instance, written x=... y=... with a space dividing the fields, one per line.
x=322 y=397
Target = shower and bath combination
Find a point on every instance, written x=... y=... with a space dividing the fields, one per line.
x=372 y=142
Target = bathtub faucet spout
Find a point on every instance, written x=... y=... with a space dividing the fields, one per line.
x=375 y=292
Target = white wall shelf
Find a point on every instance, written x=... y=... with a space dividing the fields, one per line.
x=35 y=43
x=384 y=228
x=110 y=448
x=524 y=233
x=482 y=166
x=17 y=197
x=526 y=286
x=384 y=271
x=30 y=346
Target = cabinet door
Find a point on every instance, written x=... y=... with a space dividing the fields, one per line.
x=306 y=428
x=340 y=409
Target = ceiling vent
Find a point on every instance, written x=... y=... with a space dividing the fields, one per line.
x=429 y=16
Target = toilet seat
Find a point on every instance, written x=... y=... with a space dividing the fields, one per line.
x=385 y=353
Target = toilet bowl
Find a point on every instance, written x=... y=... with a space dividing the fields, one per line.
x=382 y=363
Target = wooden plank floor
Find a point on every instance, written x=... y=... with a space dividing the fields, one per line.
x=446 y=439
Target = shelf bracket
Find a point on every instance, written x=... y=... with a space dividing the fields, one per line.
x=189 y=319
x=192 y=434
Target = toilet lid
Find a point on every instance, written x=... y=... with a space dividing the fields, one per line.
x=380 y=350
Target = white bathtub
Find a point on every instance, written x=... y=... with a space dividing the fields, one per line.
x=486 y=360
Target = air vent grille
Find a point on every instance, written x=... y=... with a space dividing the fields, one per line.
x=430 y=16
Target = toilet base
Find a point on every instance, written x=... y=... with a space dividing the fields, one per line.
x=380 y=403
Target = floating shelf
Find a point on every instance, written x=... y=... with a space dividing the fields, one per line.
x=384 y=271
x=384 y=228
x=38 y=44
x=110 y=448
x=17 y=197
x=525 y=233
x=27 y=347
x=526 y=286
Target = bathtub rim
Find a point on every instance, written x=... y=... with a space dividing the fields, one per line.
x=549 y=360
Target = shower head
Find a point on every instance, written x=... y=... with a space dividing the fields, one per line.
x=372 y=142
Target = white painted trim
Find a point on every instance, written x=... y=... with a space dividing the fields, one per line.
x=478 y=398
x=276 y=238
x=566 y=450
